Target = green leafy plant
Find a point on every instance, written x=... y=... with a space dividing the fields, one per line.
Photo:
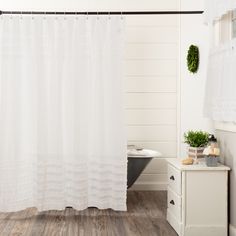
x=193 y=58
x=196 y=138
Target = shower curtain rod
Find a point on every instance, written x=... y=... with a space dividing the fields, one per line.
x=102 y=12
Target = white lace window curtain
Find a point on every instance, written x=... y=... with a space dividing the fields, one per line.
x=215 y=9
x=220 y=100
x=62 y=133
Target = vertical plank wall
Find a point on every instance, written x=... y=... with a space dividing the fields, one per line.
x=152 y=61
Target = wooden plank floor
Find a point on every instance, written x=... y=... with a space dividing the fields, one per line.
x=146 y=216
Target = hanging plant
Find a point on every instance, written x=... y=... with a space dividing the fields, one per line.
x=193 y=58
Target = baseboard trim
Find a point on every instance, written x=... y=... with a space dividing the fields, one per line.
x=232 y=230
x=210 y=230
x=145 y=186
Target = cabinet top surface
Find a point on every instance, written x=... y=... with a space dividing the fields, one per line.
x=201 y=166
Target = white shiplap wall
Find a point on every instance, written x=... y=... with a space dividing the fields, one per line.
x=152 y=67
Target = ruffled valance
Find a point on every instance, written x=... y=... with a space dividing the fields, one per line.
x=215 y=9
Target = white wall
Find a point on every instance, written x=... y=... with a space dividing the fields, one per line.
x=152 y=68
x=228 y=150
x=193 y=31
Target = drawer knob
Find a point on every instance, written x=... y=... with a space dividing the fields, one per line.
x=172 y=202
x=172 y=177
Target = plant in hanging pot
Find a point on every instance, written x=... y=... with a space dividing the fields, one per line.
x=197 y=141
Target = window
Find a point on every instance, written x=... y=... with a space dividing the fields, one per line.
x=222 y=29
x=225 y=28
x=216 y=33
x=233 y=24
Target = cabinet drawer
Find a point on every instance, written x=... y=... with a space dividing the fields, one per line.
x=174 y=222
x=174 y=179
x=174 y=204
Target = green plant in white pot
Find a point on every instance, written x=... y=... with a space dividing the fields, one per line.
x=197 y=141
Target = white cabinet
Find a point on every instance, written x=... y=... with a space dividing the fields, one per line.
x=197 y=199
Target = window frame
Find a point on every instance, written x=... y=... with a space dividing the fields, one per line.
x=233 y=21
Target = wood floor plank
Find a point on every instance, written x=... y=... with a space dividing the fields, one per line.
x=38 y=225
x=146 y=215
x=54 y=223
x=22 y=220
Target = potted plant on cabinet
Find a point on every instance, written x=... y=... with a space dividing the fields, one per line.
x=197 y=141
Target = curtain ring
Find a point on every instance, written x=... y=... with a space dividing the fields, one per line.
x=32 y=17
x=121 y=16
x=21 y=15
x=97 y=16
x=109 y=16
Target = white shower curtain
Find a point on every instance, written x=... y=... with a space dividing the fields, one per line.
x=62 y=134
